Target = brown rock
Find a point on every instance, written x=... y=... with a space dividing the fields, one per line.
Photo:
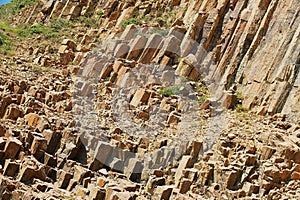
x=10 y=168
x=150 y=48
x=185 y=185
x=111 y=191
x=134 y=170
x=12 y=147
x=121 y=50
x=170 y=48
x=117 y=65
x=96 y=193
x=232 y=178
x=107 y=69
x=52 y=139
x=267 y=152
x=174 y=118
x=251 y=160
x=129 y=32
x=63 y=179
x=186 y=162
x=26 y=174
x=102 y=181
x=163 y=192
x=32 y=119
x=295 y=175
x=175 y=2
x=62 y=49
x=230 y=100
x=136 y=47
x=69 y=43
x=103 y=152
x=141 y=96
x=13 y=112
x=195 y=148
x=153 y=182
x=121 y=75
x=38 y=145
x=80 y=173
x=124 y=195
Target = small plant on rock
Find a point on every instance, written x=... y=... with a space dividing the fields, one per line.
x=169 y=91
x=127 y=22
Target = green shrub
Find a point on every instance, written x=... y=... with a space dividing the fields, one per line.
x=169 y=91
x=13 y=7
x=127 y=22
x=39 y=69
x=100 y=13
x=90 y=22
x=6 y=46
x=60 y=24
x=22 y=3
x=202 y=99
x=239 y=108
x=37 y=29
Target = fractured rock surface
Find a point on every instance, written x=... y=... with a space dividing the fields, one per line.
x=151 y=112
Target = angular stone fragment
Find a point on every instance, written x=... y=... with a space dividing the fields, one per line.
x=117 y=65
x=32 y=119
x=38 y=144
x=150 y=48
x=10 y=168
x=230 y=100
x=136 y=47
x=75 y=12
x=121 y=81
x=153 y=182
x=49 y=160
x=63 y=179
x=12 y=147
x=96 y=193
x=111 y=191
x=69 y=43
x=26 y=174
x=163 y=192
x=141 y=96
x=267 y=152
x=62 y=49
x=102 y=181
x=80 y=173
x=124 y=195
x=186 y=162
x=174 y=118
x=103 y=152
x=13 y=112
x=232 y=178
x=196 y=147
x=129 y=32
x=52 y=139
x=170 y=48
x=121 y=50
x=107 y=69
x=175 y=2
x=185 y=185
x=46 y=9
x=134 y=169
x=295 y=176
x=186 y=66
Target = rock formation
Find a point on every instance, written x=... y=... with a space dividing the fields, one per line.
x=177 y=99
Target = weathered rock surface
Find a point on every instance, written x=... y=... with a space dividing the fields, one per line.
x=59 y=131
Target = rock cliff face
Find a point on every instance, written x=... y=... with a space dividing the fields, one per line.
x=254 y=44
x=133 y=105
